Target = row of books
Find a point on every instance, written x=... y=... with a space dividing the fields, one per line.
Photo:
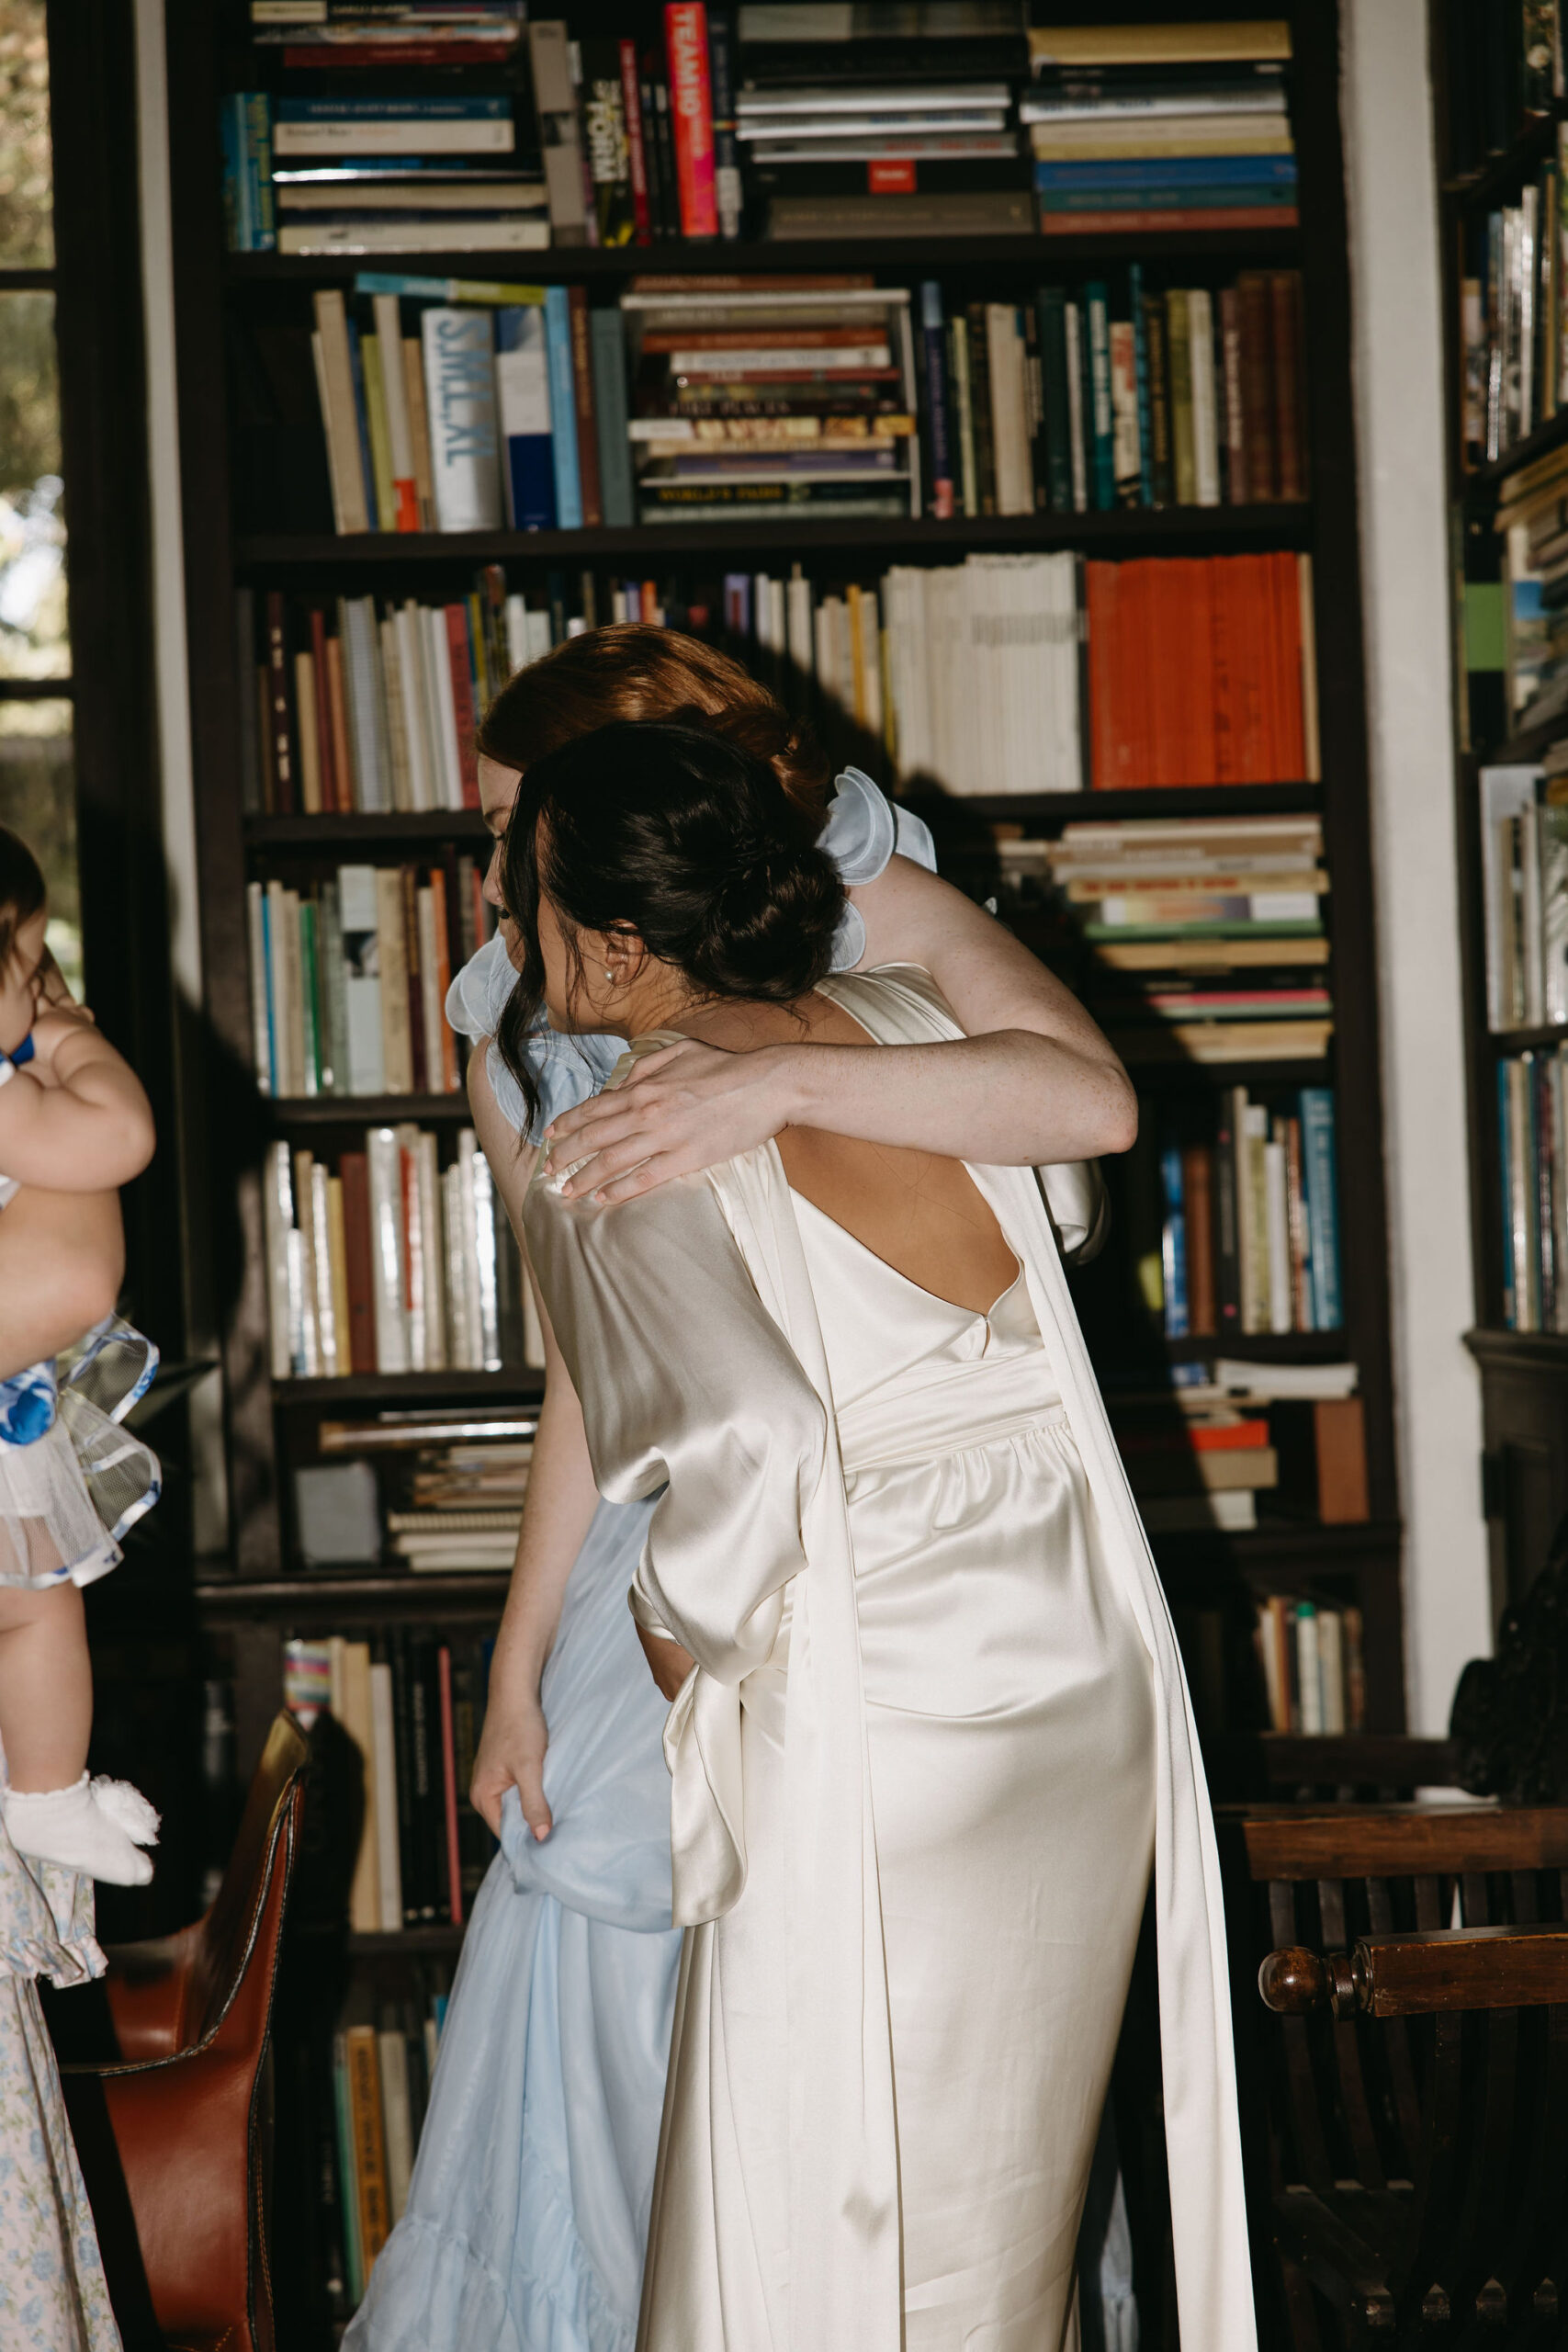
x=1533 y=521
x=1314 y=1672
x=1199 y=1453
x=349 y=977
x=1114 y=393
x=1248 y=1224
x=1206 y=935
x=507 y=403
x=389 y=1262
x=1506 y=66
x=1524 y=858
x=412 y=1702
x=1532 y=1136
x=363 y=707
x=431 y=1492
x=1179 y=125
x=1513 y=317
x=379 y=2090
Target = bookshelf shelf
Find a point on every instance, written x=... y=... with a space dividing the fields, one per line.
x=1515 y=1351
x=1161 y=1077
x=337 y=1593
x=400 y=825
x=1513 y=1041
x=1502 y=174
x=1481 y=481
x=1197 y=529
x=369 y=1111
x=392 y=1388
x=899 y=257
x=1264 y=1347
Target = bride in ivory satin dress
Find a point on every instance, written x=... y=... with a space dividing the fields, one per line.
x=930 y=1726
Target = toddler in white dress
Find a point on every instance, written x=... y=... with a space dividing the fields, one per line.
x=73 y=1118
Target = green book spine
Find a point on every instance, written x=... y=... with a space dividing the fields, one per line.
x=1179 y=353
x=609 y=357
x=980 y=408
x=310 y=973
x=334 y=995
x=958 y=369
x=1202 y=930
x=1050 y=303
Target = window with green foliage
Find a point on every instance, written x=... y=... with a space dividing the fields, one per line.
x=36 y=779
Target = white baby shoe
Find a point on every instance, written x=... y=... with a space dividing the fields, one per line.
x=99 y=1826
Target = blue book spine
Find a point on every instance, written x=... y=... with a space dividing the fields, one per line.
x=1181 y=172
x=563 y=409
x=1217 y=195
x=362 y=418
x=258 y=171
x=273 y=1087
x=1322 y=1207
x=934 y=345
x=236 y=195
x=1505 y=1177
x=1173 y=1243
x=1141 y=379
x=607 y=344
x=343 y=110
x=522 y=399
x=1096 y=305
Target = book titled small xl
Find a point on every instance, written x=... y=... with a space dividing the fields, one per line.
x=459 y=381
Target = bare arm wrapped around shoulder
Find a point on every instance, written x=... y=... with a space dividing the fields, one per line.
x=1034 y=1081
x=82 y=1123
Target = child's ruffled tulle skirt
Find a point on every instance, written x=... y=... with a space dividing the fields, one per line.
x=68 y=1493
x=48 y=1528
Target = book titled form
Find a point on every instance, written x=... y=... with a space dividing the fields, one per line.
x=459 y=380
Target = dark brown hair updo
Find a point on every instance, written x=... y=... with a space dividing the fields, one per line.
x=677 y=834
x=632 y=670
x=22 y=891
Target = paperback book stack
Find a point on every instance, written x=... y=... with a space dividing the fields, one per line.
x=349 y=977
x=1206 y=935
x=1247 y=1219
x=1310 y=1656
x=758 y=396
x=877 y=120
x=352 y=174
x=1524 y=864
x=1117 y=391
x=493 y=406
x=1167 y=126
x=438 y=1474
x=1203 y=1440
x=1202 y=671
x=362 y=704
x=1200 y=1467
x=983 y=674
x=1532 y=1135
x=389 y=1262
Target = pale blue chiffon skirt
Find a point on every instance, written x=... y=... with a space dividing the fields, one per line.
x=527 y=2213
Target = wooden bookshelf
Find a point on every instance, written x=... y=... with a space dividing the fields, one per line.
x=253 y=1598
x=1524 y=1375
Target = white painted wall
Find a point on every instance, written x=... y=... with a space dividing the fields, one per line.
x=177 y=778
x=1387 y=117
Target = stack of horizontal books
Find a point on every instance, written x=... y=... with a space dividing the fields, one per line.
x=1207 y=934
x=1161 y=126
x=757 y=396
x=355 y=36
x=890 y=120
x=352 y=174
x=1200 y=1467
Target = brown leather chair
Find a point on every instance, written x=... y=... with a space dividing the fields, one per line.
x=175 y=2132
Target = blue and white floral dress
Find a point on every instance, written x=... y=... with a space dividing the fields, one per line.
x=527 y=2212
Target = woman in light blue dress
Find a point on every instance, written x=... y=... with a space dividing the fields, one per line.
x=528 y=2209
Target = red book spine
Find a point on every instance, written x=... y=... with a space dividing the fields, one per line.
x=278 y=717
x=1290 y=749
x=354 y=1172
x=1227 y=652
x=587 y=421
x=449 y=1784
x=637 y=155
x=1099 y=599
x=463 y=700
x=1252 y=595
x=690 y=103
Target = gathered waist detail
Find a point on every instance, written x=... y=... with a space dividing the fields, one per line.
x=943 y=1408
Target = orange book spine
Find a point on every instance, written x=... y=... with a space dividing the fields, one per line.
x=369 y=2131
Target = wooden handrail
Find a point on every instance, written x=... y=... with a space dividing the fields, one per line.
x=1421 y=1972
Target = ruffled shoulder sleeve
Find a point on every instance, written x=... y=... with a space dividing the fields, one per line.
x=565 y=1070
x=862 y=832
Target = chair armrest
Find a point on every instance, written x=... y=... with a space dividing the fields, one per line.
x=1414 y=1975
x=148 y=1987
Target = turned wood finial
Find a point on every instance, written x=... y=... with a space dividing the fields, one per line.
x=1294 y=1982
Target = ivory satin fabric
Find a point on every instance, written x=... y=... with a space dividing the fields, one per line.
x=938 y=1719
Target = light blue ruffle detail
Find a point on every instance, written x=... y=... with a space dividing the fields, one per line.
x=862 y=832
x=27 y=1405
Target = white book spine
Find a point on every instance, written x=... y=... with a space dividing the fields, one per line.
x=397 y=2116
x=410 y=682
x=361 y=980
x=1331 y=1669
x=428 y=1192
x=1279 y=1284
x=306 y=1350
x=388 y=1868
x=469 y=1250
x=802 y=647
x=1309 y=1677
x=485 y=1258
x=387 y=1249
x=387 y=312
x=446 y=709
x=457 y=1351
x=1010 y=413
x=278 y=1217
x=1205 y=420
x=331 y=1359
x=516 y=633
x=460 y=380
x=415 y=1284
